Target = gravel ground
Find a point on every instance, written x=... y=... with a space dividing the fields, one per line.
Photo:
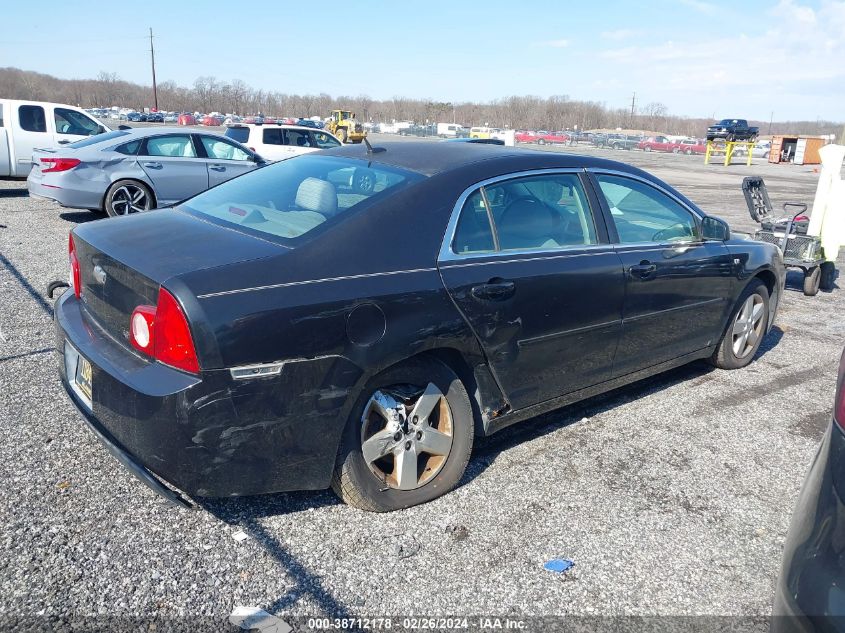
x=672 y=495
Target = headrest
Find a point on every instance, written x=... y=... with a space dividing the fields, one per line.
x=317 y=195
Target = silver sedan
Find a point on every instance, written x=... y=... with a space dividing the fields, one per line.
x=133 y=170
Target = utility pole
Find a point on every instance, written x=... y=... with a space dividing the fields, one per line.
x=771 y=118
x=633 y=103
x=153 y=60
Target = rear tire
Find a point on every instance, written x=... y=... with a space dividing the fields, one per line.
x=398 y=471
x=828 y=276
x=812 y=281
x=746 y=328
x=128 y=196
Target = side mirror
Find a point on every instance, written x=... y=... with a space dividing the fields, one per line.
x=715 y=229
x=124 y=127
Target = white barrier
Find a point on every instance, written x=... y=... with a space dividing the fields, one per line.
x=828 y=217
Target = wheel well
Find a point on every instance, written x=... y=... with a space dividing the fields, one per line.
x=768 y=278
x=455 y=361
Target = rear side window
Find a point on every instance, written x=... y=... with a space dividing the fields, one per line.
x=32 y=118
x=240 y=134
x=73 y=122
x=174 y=145
x=272 y=136
x=130 y=149
x=545 y=212
x=473 y=233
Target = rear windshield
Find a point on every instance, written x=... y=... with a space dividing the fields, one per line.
x=239 y=134
x=292 y=198
x=97 y=138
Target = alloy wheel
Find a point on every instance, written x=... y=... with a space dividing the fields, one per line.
x=129 y=199
x=748 y=326
x=405 y=441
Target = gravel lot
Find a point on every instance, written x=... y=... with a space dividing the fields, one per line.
x=672 y=496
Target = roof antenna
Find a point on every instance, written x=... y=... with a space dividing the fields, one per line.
x=371 y=149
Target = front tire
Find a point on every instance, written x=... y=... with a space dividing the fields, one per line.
x=746 y=328
x=408 y=439
x=341 y=135
x=128 y=196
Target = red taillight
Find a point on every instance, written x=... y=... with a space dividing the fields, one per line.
x=839 y=406
x=58 y=164
x=75 y=277
x=162 y=332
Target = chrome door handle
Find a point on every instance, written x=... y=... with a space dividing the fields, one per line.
x=217 y=167
x=153 y=165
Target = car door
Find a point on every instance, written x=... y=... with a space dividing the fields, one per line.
x=173 y=166
x=677 y=285
x=29 y=131
x=224 y=159
x=532 y=272
x=71 y=125
x=272 y=146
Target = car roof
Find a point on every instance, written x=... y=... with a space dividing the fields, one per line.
x=287 y=126
x=430 y=158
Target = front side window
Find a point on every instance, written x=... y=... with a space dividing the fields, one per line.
x=32 y=118
x=297 y=138
x=175 y=145
x=222 y=150
x=73 y=122
x=325 y=141
x=642 y=213
x=543 y=212
x=292 y=198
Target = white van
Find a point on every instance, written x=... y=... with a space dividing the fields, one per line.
x=27 y=125
x=449 y=130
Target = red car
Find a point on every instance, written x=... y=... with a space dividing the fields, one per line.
x=658 y=144
x=525 y=136
x=186 y=119
x=690 y=146
x=212 y=120
x=551 y=137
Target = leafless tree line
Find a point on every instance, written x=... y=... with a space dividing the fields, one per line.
x=519 y=112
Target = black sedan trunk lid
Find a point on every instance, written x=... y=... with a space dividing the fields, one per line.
x=117 y=275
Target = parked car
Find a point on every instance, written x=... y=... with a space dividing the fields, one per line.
x=732 y=130
x=543 y=138
x=212 y=120
x=128 y=171
x=525 y=136
x=186 y=119
x=155 y=117
x=617 y=141
x=278 y=142
x=762 y=149
x=136 y=117
x=25 y=125
x=171 y=117
x=307 y=123
x=449 y=130
x=290 y=330
x=809 y=592
x=658 y=144
x=690 y=146
x=419 y=130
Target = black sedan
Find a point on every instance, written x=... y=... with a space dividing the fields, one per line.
x=810 y=595
x=293 y=329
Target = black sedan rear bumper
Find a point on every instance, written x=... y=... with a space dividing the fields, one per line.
x=810 y=594
x=208 y=435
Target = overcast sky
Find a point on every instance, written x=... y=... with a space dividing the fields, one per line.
x=698 y=57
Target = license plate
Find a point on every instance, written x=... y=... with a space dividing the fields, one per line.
x=79 y=374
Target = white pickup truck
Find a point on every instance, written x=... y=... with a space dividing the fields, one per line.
x=27 y=125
